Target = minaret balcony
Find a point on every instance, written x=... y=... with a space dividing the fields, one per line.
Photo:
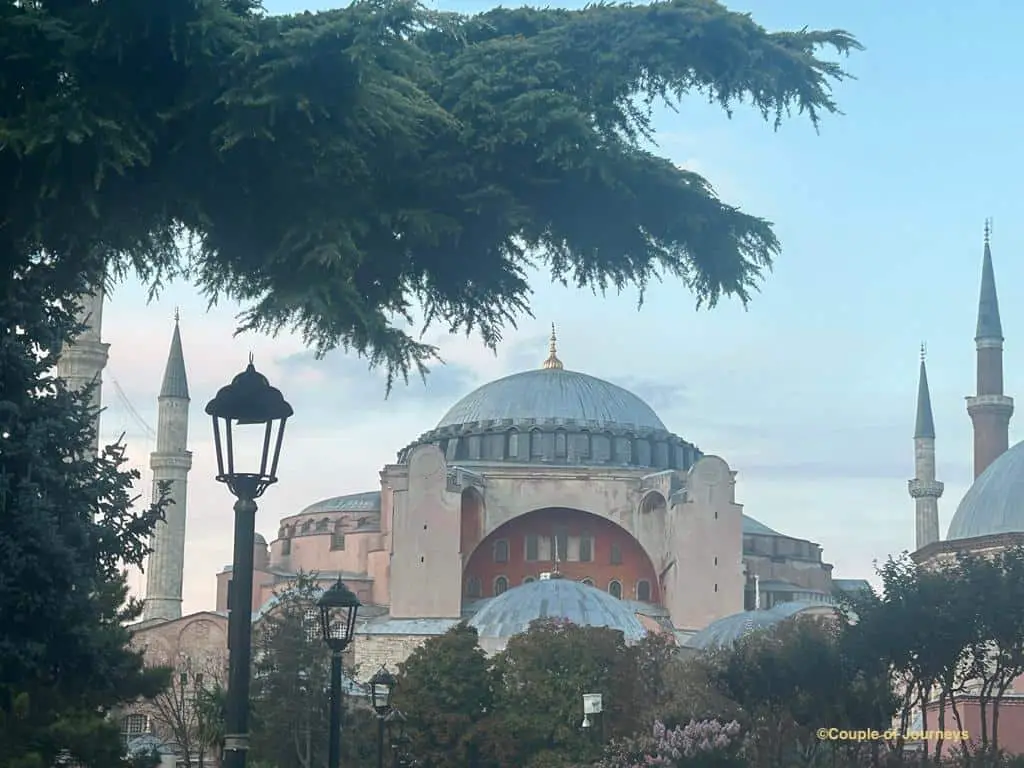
x=925 y=489
x=990 y=404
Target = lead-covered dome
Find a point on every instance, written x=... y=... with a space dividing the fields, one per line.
x=511 y=613
x=553 y=395
x=995 y=503
x=554 y=416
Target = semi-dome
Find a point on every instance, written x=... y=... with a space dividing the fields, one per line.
x=553 y=394
x=995 y=502
x=726 y=631
x=512 y=612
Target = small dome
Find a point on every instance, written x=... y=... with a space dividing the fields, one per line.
x=511 y=613
x=553 y=394
x=995 y=503
x=727 y=630
x=258 y=540
x=368 y=501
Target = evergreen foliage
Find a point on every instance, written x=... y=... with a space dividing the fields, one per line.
x=67 y=533
x=333 y=171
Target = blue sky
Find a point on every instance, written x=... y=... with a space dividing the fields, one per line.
x=809 y=394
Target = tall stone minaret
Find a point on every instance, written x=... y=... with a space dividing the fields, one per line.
x=83 y=360
x=990 y=410
x=171 y=461
x=924 y=489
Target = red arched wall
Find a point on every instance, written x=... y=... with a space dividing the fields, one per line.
x=634 y=565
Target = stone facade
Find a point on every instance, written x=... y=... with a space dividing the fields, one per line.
x=371 y=652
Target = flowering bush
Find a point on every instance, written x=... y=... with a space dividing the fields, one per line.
x=698 y=744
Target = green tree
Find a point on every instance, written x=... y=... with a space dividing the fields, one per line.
x=67 y=534
x=290 y=690
x=542 y=676
x=335 y=169
x=445 y=689
x=795 y=678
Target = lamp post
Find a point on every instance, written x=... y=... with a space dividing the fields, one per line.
x=248 y=401
x=399 y=738
x=382 y=685
x=338 y=607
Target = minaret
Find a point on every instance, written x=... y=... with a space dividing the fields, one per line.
x=170 y=462
x=924 y=489
x=990 y=410
x=83 y=360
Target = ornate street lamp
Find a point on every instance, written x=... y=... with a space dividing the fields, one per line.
x=381 y=685
x=248 y=402
x=338 y=607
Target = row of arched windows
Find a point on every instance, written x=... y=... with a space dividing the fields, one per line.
x=500 y=585
x=562 y=445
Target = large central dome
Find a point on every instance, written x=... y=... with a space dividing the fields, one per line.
x=554 y=416
x=553 y=394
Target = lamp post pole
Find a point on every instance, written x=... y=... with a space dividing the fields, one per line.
x=248 y=401
x=338 y=608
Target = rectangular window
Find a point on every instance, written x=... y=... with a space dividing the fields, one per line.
x=229 y=594
x=616 y=558
x=286 y=547
x=586 y=548
x=532 y=555
x=337 y=540
x=561 y=544
x=501 y=551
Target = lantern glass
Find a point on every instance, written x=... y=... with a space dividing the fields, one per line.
x=249 y=417
x=338 y=608
x=382 y=685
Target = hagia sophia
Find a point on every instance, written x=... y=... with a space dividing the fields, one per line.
x=550 y=492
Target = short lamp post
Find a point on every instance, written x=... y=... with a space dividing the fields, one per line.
x=246 y=405
x=399 y=738
x=338 y=608
x=592 y=709
x=382 y=685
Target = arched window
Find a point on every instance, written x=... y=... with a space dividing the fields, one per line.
x=561 y=444
x=500 y=586
x=321 y=525
x=536 y=444
x=643 y=591
x=307 y=526
x=473 y=587
x=501 y=551
x=588 y=582
x=338 y=536
x=529 y=580
x=286 y=546
x=615 y=589
x=513 y=444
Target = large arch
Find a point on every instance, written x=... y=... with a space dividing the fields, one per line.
x=471 y=522
x=588 y=546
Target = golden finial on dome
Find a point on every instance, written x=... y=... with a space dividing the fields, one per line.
x=552 y=363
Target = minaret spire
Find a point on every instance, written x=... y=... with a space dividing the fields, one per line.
x=170 y=463
x=552 y=363
x=924 y=489
x=990 y=409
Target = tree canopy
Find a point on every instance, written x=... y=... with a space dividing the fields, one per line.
x=335 y=171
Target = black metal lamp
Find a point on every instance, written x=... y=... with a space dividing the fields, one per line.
x=338 y=608
x=248 y=401
x=382 y=685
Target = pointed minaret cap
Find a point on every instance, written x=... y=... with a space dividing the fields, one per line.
x=552 y=363
x=925 y=426
x=175 y=381
x=989 y=325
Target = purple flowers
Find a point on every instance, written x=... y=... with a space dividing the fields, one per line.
x=696 y=744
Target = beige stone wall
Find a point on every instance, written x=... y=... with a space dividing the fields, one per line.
x=372 y=651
